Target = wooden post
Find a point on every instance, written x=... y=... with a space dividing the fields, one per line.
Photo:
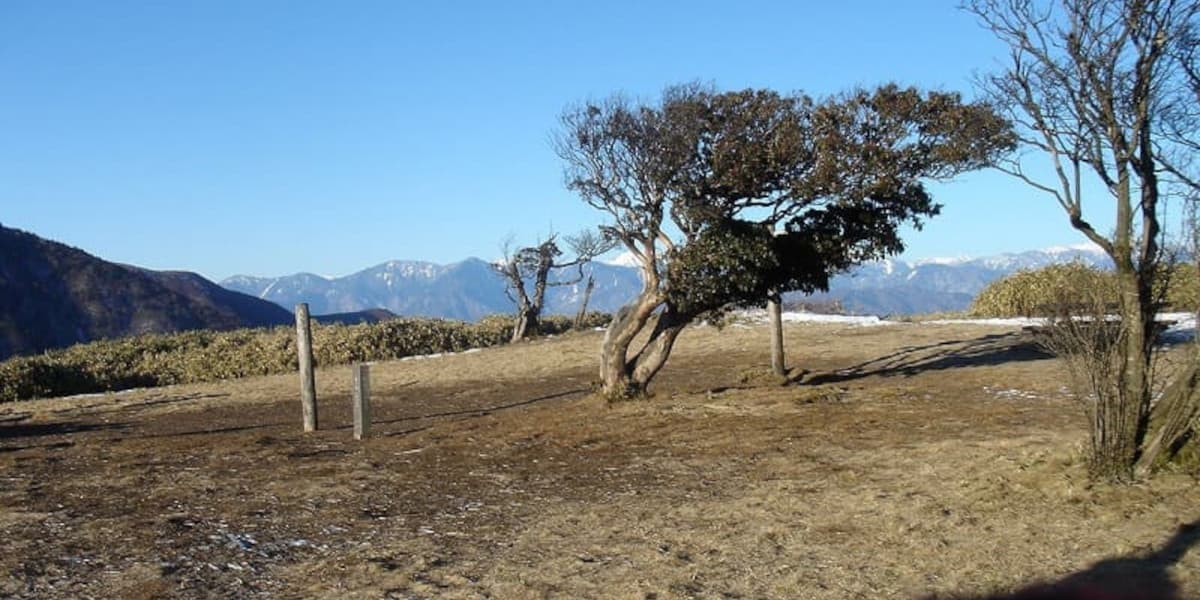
x=362 y=401
x=308 y=384
x=775 y=317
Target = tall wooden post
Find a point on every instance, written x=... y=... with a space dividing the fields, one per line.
x=362 y=401
x=775 y=317
x=308 y=384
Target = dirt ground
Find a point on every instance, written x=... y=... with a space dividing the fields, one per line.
x=911 y=461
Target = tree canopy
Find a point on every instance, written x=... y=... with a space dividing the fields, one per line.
x=722 y=196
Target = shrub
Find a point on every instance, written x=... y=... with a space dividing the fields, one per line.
x=1045 y=291
x=196 y=356
x=1070 y=287
x=1183 y=288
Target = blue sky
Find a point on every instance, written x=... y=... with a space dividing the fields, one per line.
x=274 y=137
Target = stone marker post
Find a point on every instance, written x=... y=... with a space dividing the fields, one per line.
x=362 y=401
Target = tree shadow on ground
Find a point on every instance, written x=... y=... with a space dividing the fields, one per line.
x=1137 y=577
x=989 y=350
x=485 y=410
x=22 y=432
x=213 y=431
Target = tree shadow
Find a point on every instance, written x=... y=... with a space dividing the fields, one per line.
x=989 y=350
x=212 y=431
x=23 y=432
x=485 y=410
x=1137 y=577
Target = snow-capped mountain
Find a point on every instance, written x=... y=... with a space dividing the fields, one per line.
x=471 y=289
x=464 y=290
x=936 y=284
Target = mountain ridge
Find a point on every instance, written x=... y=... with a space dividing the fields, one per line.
x=470 y=289
x=54 y=295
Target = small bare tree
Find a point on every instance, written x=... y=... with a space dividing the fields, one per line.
x=583 y=303
x=1106 y=91
x=528 y=273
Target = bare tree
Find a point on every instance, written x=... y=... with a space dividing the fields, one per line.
x=528 y=273
x=1105 y=90
x=583 y=303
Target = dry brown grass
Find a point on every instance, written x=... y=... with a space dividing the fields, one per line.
x=912 y=461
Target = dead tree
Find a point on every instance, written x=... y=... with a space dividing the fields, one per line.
x=583 y=304
x=530 y=270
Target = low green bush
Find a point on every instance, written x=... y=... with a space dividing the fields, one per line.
x=196 y=356
x=1062 y=288
x=1044 y=291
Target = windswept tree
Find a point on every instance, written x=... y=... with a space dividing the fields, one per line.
x=724 y=197
x=1106 y=91
x=530 y=270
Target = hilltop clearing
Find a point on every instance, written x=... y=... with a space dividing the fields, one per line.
x=913 y=461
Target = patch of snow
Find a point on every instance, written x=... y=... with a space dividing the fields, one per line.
x=409 y=269
x=624 y=259
x=1011 y=394
x=1183 y=326
x=1069 y=248
x=943 y=260
x=1184 y=329
x=426 y=356
x=803 y=317
x=440 y=354
x=760 y=316
x=1005 y=322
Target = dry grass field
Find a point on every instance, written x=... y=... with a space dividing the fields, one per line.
x=911 y=461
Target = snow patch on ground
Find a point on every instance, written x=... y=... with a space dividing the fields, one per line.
x=1007 y=322
x=1182 y=329
x=1010 y=394
x=440 y=354
x=760 y=316
x=862 y=321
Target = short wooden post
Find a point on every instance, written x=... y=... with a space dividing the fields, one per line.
x=362 y=401
x=308 y=384
x=775 y=317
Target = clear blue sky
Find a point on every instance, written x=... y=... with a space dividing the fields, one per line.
x=271 y=137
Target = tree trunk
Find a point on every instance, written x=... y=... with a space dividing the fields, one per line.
x=615 y=375
x=775 y=318
x=654 y=354
x=587 y=295
x=1173 y=418
x=1119 y=417
x=527 y=323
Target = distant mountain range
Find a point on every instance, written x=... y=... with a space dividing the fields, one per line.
x=470 y=289
x=53 y=295
x=896 y=287
x=465 y=290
